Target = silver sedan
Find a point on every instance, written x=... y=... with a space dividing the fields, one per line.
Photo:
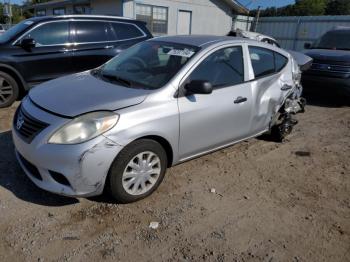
x=157 y=104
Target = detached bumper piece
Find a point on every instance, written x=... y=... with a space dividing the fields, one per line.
x=295 y=106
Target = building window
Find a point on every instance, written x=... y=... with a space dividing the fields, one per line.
x=59 y=11
x=82 y=9
x=41 y=12
x=156 y=18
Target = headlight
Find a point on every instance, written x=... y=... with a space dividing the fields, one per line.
x=84 y=128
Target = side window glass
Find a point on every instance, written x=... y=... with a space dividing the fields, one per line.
x=90 y=31
x=280 y=61
x=222 y=68
x=56 y=33
x=126 y=31
x=262 y=61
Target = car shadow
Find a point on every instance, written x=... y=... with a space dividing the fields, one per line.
x=13 y=179
x=325 y=97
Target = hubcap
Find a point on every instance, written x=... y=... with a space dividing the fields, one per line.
x=141 y=173
x=6 y=91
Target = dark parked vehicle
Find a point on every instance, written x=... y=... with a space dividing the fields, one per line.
x=2 y=29
x=40 y=49
x=331 y=61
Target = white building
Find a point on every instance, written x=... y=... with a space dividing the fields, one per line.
x=162 y=16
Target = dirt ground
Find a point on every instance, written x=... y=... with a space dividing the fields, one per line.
x=274 y=202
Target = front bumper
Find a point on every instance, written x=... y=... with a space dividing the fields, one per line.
x=84 y=167
x=336 y=84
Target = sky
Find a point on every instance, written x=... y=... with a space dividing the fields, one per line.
x=254 y=4
x=265 y=3
x=13 y=1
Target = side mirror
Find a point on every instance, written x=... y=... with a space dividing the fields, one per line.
x=27 y=43
x=199 y=87
x=307 y=45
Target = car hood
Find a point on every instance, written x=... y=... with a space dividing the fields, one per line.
x=81 y=93
x=326 y=55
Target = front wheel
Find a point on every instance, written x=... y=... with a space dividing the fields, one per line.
x=9 y=90
x=137 y=171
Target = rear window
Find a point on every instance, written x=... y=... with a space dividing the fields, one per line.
x=91 y=31
x=126 y=31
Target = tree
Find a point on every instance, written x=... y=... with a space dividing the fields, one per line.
x=310 y=7
x=300 y=8
x=338 y=7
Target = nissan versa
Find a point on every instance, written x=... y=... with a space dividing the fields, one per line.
x=157 y=104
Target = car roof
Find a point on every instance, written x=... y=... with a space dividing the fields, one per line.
x=201 y=40
x=92 y=17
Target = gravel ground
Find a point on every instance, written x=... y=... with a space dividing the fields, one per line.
x=272 y=202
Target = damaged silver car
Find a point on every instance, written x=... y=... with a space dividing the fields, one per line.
x=157 y=104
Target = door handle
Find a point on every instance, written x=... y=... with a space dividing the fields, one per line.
x=286 y=87
x=240 y=100
x=109 y=46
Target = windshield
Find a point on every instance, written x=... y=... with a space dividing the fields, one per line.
x=147 y=65
x=13 y=31
x=339 y=39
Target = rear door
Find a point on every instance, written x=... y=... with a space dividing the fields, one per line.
x=217 y=119
x=93 y=44
x=51 y=57
x=97 y=41
x=271 y=84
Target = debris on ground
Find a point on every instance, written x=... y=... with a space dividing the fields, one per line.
x=154 y=225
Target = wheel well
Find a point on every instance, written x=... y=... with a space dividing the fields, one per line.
x=165 y=144
x=17 y=78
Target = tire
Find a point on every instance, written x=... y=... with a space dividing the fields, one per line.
x=127 y=178
x=9 y=90
x=282 y=128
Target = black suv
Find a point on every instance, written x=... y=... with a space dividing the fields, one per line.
x=331 y=61
x=40 y=49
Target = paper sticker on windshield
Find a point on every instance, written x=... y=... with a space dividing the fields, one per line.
x=28 y=22
x=183 y=53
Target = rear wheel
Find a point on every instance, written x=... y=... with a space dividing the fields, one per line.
x=283 y=127
x=137 y=171
x=8 y=90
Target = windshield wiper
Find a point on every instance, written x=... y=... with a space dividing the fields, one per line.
x=116 y=78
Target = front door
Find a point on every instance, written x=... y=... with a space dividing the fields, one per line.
x=184 y=22
x=51 y=57
x=217 y=119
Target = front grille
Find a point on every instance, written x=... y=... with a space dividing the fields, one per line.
x=30 y=167
x=27 y=126
x=331 y=68
x=333 y=62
